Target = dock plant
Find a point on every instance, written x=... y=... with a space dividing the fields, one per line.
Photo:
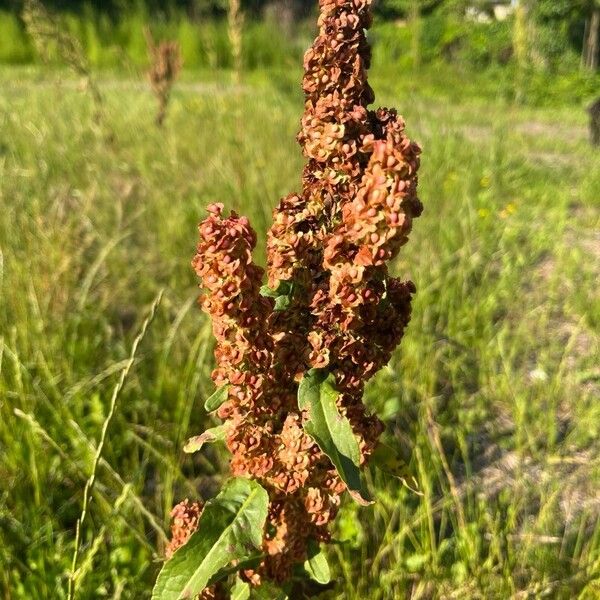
x=165 y=65
x=296 y=345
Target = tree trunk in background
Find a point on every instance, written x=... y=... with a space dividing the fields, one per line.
x=594 y=111
x=593 y=41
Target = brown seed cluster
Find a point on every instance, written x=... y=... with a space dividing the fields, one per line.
x=184 y=521
x=165 y=65
x=328 y=250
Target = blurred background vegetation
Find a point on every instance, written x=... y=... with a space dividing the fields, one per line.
x=551 y=47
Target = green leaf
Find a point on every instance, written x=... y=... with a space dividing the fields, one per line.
x=267 y=292
x=240 y=591
x=218 y=398
x=215 y=434
x=331 y=431
x=387 y=459
x=251 y=562
x=316 y=564
x=284 y=289
x=230 y=527
x=282 y=303
x=268 y=591
x=282 y=295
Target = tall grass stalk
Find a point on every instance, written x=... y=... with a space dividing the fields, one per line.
x=49 y=36
x=416 y=27
x=521 y=48
x=235 y=25
x=105 y=425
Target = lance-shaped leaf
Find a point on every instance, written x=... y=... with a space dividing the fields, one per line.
x=230 y=528
x=214 y=434
x=316 y=564
x=331 y=431
x=218 y=398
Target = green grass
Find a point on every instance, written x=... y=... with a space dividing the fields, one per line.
x=480 y=55
x=121 y=43
x=493 y=394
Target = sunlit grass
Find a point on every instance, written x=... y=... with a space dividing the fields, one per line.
x=493 y=394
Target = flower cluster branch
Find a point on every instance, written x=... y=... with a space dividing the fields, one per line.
x=328 y=252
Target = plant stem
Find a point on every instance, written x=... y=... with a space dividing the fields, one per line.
x=113 y=405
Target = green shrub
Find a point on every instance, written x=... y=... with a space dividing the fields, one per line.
x=15 y=47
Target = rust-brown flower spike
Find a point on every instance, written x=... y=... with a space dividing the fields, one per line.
x=165 y=65
x=328 y=252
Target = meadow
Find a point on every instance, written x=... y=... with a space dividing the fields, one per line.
x=493 y=395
